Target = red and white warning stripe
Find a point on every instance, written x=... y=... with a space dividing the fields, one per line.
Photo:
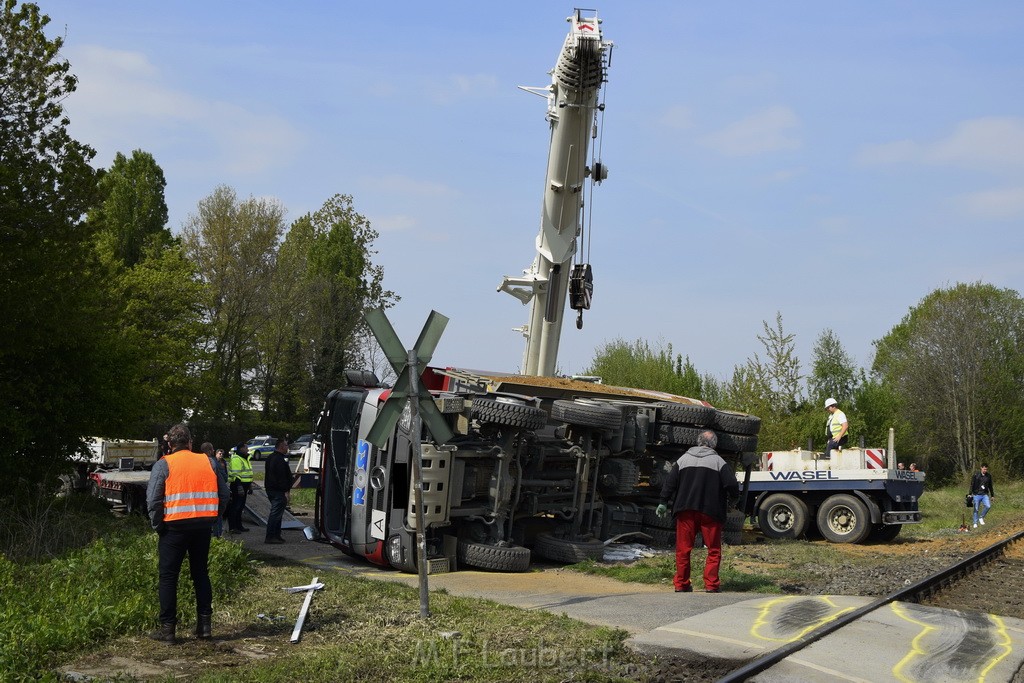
x=768 y=461
x=874 y=458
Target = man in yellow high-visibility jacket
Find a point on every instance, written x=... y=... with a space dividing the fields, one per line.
x=240 y=482
x=184 y=498
x=836 y=427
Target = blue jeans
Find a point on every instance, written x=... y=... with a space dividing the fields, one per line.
x=981 y=502
x=277 y=503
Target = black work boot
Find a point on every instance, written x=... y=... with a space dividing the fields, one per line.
x=204 y=626
x=164 y=634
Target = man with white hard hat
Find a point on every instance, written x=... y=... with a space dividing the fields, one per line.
x=836 y=427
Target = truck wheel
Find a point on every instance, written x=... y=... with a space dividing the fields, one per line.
x=660 y=537
x=685 y=413
x=496 y=558
x=509 y=414
x=618 y=476
x=586 y=414
x=732 y=530
x=782 y=515
x=843 y=518
x=737 y=423
x=884 y=533
x=674 y=435
x=652 y=520
x=737 y=443
x=563 y=550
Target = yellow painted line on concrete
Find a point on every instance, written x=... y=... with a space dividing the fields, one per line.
x=841 y=675
x=711 y=636
x=917 y=649
x=766 y=609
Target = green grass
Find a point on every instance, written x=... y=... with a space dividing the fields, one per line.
x=58 y=606
x=94 y=604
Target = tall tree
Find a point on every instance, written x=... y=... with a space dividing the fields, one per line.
x=833 y=373
x=637 y=364
x=233 y=245
x=342 y=283
x=57 y=360
x=133 y=210
x=956 y=361
x=779 y=371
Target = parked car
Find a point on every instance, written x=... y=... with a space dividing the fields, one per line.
x=298 y=447
x=260 y=446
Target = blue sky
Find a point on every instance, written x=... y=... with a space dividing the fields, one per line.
x=834 y=162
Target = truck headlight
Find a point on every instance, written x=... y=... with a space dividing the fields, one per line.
x=394 y=550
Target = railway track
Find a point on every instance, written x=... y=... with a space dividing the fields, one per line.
x=967 y=585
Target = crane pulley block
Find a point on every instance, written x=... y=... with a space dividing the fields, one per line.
x=581 y=287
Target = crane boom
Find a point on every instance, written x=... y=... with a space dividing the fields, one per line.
x=572 y=110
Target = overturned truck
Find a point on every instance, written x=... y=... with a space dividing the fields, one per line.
x=538 y=466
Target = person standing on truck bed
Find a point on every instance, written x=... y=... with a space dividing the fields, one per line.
x=184 y=497
x=836 y=427
x=983 y=492
x=240 y=481
x=699 y=486
x=277 y=482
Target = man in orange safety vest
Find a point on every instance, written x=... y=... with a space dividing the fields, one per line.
x=184 y=499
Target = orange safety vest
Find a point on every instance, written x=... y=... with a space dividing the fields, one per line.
x=190 y=491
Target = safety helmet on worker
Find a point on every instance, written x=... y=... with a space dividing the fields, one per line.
x=829 y=402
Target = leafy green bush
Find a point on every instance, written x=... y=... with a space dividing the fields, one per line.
x=108 y=587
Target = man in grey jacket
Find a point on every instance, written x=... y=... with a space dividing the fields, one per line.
x=699 y=486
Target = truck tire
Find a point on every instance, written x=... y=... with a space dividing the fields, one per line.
x=508 y=414
x=563 y=550
x=661 y=537
x=666 y=538
x=843 y=518
x=652 y=520
x=883 y=533
x=783 y=516
x=736 y=443
x=685 y=413
x=675 y=435
x=600 y=415
x=618 y=476
x=737 y=423
x=496 y=558
x=732 y=531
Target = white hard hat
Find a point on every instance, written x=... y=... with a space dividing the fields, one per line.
x=830 y=402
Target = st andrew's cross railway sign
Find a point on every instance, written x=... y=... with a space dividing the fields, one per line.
x=405 y=363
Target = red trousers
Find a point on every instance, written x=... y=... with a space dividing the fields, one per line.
x=688 y=523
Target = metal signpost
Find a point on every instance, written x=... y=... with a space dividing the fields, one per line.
x=408 y=366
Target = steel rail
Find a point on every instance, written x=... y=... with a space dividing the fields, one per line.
x=911 y=593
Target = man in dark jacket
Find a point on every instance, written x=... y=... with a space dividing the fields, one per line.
x=699 y=486
x=184 y=498
x=277 y=481
x=981 y=489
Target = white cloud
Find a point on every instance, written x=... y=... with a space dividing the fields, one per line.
x=678 y=117
x=769 y=130
x=982 y=142
x=458 y=86
x=1000 y=203
x=121 y=104
x=394 y=223
x=990 y=142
